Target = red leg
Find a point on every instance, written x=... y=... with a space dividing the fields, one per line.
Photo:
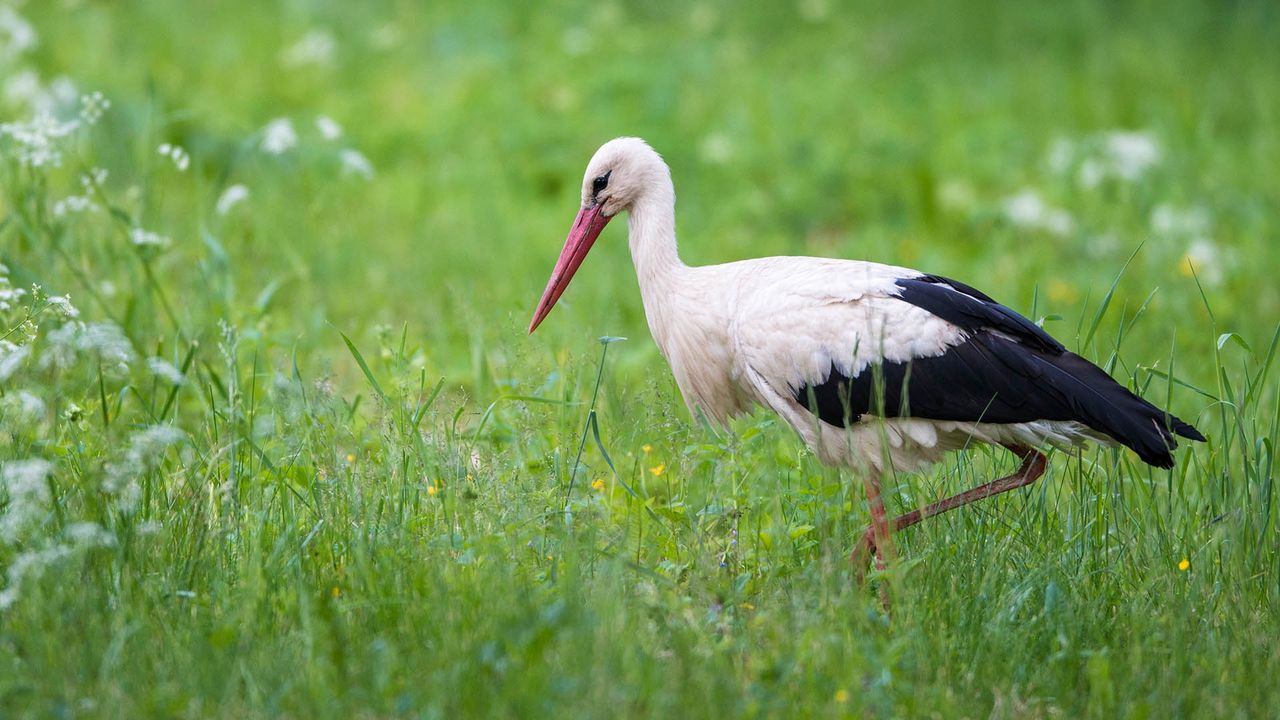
x=1033 y=466
x=879 y=532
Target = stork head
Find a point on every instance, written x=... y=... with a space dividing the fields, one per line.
x=622 y=173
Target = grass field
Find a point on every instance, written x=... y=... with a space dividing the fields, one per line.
x=212 y=504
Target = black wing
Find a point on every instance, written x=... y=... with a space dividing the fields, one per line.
x=1007 y=370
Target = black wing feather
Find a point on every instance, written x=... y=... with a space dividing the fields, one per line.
x=1008 y=370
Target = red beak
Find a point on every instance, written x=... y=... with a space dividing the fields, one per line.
x=586 y=228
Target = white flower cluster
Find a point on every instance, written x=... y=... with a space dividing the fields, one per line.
x=232 y=196
x=93 y=106
x=1028 y=210
x=39 y=140
x=104 y=341
x=16 y=34
x=147 y=239
x=10 y=296
x=278 y=137
x=25 y=484
x=146 y=450
x=1117 y=154
x=180 y=158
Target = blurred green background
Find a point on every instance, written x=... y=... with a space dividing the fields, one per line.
x=318 y=539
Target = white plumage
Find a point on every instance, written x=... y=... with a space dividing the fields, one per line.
x=834 y=346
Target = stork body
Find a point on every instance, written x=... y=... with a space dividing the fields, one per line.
x=876 y=367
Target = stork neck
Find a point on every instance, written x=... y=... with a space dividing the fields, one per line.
x=652 y=235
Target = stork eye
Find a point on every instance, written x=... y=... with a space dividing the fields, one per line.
x=600 y=183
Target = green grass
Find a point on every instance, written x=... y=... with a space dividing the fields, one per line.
x=363 y=510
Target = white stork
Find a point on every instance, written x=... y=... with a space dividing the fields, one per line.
x=827 y=344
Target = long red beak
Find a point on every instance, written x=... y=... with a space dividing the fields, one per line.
x=586 y=228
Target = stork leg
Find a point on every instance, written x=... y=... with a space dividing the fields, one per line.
x=879 y=532
x=1033 y=466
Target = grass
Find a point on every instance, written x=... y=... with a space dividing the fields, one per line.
x=353 y=501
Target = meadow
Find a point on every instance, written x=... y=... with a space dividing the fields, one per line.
x=274 y=441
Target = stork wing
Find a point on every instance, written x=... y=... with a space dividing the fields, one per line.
x=923 y=346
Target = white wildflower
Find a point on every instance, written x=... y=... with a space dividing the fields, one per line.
x=314 y=48
x=93 y=106
x=11 y=358
x=1131 y=154
x=1027 y=209
x=145 y=453
x=29 y=563
x=328 y=127
x=94 y=179
x=279 y=136
x=39 y=140
x=165 y=370
x=73 y=204
x=10 y=296
x=23 y=88
x=1062 y=153
x=355 y=163
x=146 y=238
x=24 y=405
x=107 y=341
x=60 y=346
x=90 y=534
x=24 y=481
x=149 y=527
x=16 y=34
x=1173 y=221
x=62 y=304
x=1205 y=261
x=181 y=160
x=232 y=196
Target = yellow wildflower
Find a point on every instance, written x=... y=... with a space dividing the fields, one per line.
x=598 y=484
x=842 y=696
x=350 y=458
x=1184 y=565
x=658 y=469
x=432 y=489
x=647 y=449
x=1063 y=292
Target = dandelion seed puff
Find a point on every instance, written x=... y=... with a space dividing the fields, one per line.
x=232 y=196
x=355 y=163
x=328 y=127
x=315 y=48
x=279 y=136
